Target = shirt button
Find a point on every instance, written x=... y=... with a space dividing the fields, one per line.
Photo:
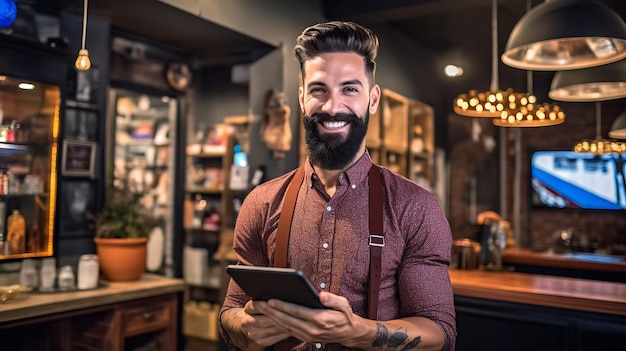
x=329 y=208
x=353 y=186
x=325 y=245
x=318 y=345
x=322 y=285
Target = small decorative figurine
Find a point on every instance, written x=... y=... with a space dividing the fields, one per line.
x=276 y=130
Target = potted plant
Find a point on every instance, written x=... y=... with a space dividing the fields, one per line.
x=122 y=229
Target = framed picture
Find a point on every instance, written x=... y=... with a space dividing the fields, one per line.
x=78 y=158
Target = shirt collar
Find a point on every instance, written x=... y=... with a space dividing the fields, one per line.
x=355 y=174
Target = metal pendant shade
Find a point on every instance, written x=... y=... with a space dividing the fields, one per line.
x=564 y=35
x=618 y=128
x=606 y=82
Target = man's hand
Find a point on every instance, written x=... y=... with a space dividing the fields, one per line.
x=337 y=324
x=250 y=330
x=259 y=328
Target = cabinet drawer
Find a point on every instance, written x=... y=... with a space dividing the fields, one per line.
x=147 y=316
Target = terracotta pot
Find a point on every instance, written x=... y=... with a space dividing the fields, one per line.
x=122 y=259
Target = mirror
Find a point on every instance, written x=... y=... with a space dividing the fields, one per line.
x=29 y=124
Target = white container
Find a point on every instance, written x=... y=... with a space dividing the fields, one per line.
x=47 y=274
x=28 y=273
x=66 y=278
x=88 y=272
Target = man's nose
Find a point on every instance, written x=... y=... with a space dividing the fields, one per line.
x=333 y=104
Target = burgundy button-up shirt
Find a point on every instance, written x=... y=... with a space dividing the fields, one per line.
x=329 y=243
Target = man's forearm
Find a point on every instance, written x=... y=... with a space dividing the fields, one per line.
x=404 y=334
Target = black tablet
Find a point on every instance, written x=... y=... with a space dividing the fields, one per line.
x=264 y=283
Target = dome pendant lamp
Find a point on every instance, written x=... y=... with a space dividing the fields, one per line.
x=606 y=82
x=532 y=114
x=493 y=102
x=566 y=34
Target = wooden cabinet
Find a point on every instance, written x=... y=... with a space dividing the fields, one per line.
x=210 y=213
x=129 y=316
x=495 y=325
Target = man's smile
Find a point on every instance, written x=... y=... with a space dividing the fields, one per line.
x=334 y=126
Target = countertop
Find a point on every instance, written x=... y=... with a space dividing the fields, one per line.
x=543 y=290
x=581 y=261
x=35 y=304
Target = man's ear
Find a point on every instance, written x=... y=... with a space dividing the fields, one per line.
x=301 y=99
x=374 y=99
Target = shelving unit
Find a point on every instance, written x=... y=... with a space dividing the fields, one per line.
x=421 y=167
x=208 y=241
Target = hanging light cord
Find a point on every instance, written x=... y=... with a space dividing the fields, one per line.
x=84 y=22
x=598 y=126
x=529 y=73
x=494 y=45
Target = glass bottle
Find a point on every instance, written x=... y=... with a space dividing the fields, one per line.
x=16 y=232
x=47 y=274
x=28 y=273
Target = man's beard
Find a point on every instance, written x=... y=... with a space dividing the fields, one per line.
x=333 y=150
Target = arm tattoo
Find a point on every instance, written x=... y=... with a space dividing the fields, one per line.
x=238 y=337
x=398 y=338
x=382 y=334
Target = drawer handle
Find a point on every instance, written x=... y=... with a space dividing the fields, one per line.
x=148 y=316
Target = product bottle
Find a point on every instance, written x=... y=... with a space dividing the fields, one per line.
x=28 y=273
x=66 y=279
x=33 y=238
x=47 y=274
x=16 y=232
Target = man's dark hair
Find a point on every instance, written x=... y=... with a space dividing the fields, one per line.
x=338 y=36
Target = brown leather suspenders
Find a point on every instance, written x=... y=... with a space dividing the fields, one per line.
x=376 y=238
x=284 y=221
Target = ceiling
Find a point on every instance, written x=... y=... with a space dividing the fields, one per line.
x=451 y=28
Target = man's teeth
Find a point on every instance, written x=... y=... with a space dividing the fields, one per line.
x=331 y=125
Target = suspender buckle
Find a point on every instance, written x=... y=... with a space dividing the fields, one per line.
x=377 y=240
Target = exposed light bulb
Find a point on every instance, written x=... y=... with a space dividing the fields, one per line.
x=83 y=63
x=453 y=71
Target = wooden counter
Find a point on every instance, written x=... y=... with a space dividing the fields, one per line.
x=514 y=256
x=40 y=304
x=559 y=292
x=118 y=316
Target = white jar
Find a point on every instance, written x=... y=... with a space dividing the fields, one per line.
x=66 y=279
x=88 y=272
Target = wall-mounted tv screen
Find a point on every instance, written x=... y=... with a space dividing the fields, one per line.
x=567 y=179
